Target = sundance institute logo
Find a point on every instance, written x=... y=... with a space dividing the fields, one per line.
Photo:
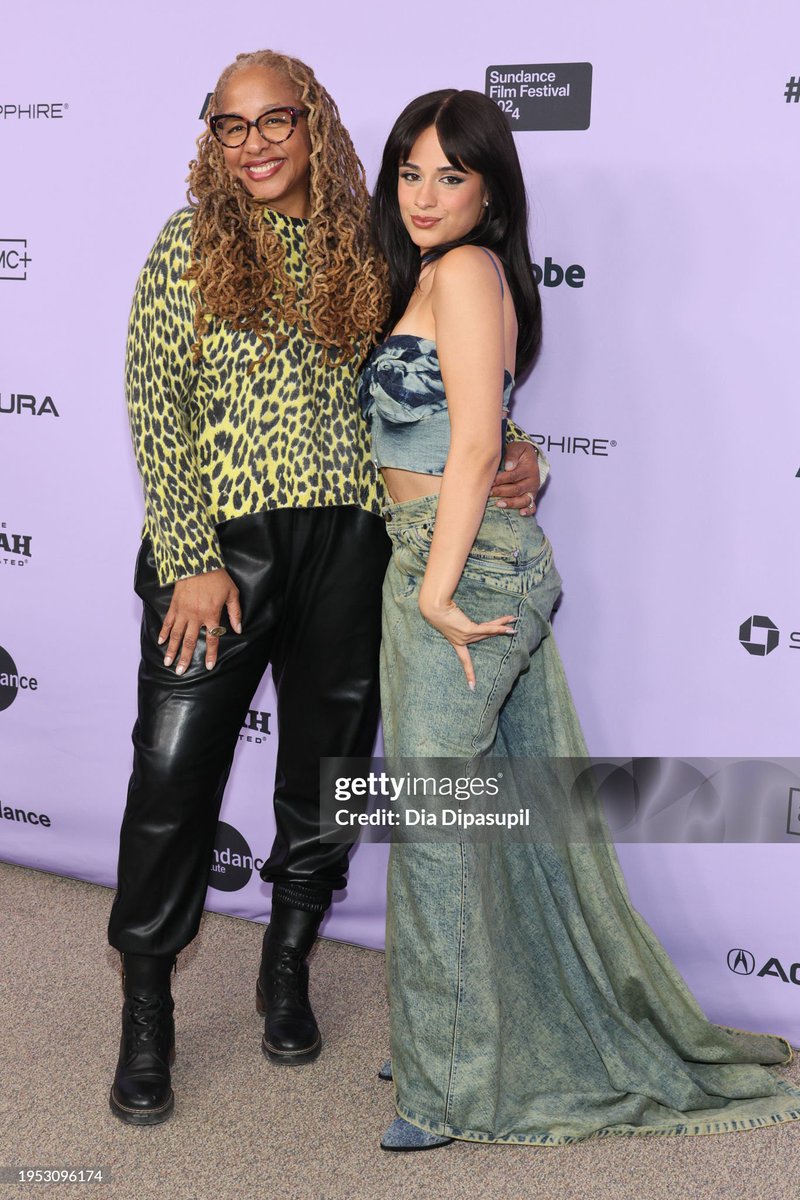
x=11 y=681
x=233 y=863
x=759 y=635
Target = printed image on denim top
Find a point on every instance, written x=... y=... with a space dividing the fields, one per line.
x=402 y=396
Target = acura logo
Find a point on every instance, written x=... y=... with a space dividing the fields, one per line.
x=741 y=962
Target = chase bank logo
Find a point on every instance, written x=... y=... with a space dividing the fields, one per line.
x=759 y=635
x=741 y=962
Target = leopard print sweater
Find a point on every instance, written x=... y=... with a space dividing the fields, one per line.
x=213 y=442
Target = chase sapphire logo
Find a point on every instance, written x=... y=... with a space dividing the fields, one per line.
x=741 y=962
x=759 y=635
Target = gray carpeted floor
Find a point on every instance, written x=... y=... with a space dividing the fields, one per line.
x=243 y=1128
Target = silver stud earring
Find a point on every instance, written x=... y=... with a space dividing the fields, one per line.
x=485 y=203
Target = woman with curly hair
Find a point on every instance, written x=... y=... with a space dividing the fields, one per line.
x=250 y=322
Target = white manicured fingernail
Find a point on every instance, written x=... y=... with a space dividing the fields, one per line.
x=209 y=666
x=161 y=641
x=501 y=504
x=179 y=670
x=471 y=685
x=168 y=661
x=238 y=628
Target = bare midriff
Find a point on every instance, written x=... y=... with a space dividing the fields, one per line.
x=409 y=485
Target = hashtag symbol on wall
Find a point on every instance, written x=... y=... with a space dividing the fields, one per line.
x=792 y=90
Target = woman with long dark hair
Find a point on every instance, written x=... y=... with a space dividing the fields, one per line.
x=530 y=1003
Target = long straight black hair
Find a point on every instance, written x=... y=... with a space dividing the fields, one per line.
x=473 y=134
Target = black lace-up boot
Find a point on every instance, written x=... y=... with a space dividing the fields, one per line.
x=290 y=1029
x=142 y=1093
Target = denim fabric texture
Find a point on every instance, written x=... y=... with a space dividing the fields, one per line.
x=530 y=1003
x=401 y=386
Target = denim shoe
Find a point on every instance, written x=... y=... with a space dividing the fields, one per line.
x=402 y=1136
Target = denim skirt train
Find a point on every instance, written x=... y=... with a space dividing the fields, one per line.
x=529 y=1001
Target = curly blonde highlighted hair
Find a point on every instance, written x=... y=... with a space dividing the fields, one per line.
x=237 y=258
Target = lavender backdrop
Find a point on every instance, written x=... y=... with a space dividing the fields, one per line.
x=677 y=357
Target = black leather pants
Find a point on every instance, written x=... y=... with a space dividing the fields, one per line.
x=310 y=589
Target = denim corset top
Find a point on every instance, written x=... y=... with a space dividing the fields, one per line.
x=402 y=396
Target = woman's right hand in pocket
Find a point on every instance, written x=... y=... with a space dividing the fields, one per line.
x=197 y=603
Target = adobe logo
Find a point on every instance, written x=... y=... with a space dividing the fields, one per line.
x=551 y=274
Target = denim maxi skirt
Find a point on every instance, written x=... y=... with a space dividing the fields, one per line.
x=530 y=1002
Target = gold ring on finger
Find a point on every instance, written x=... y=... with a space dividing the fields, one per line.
x=216 y=631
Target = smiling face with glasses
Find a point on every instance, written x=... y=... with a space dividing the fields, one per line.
x=263 y=132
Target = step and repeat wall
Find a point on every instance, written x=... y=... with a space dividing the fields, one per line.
x=660 y=150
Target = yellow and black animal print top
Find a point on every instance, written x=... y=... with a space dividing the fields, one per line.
x=213 y=441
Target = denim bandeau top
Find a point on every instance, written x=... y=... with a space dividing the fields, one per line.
x=402 y=396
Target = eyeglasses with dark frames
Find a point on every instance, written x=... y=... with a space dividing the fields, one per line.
x=275 y=125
